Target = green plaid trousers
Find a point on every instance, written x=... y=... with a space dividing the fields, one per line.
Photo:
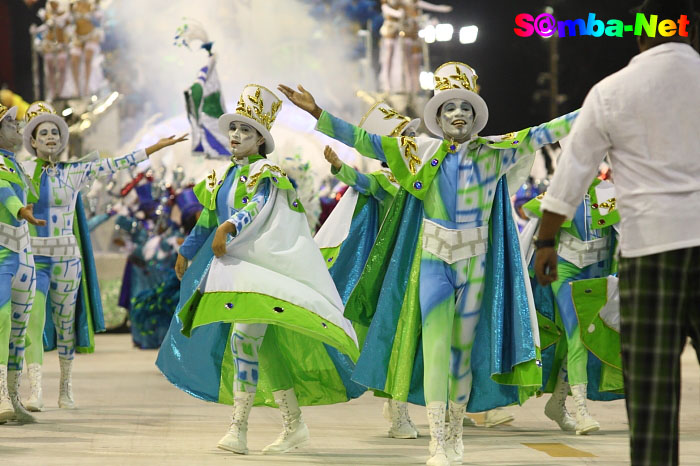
x=659 y=310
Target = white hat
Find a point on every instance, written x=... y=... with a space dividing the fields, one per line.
x=4 y=111
x=38 y=113
x=383 y=120
x=455 y=80
x=258 y=107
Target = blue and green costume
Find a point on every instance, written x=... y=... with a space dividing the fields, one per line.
x=446 y=258
x=17 y=271
x=577 y=313
x=267 y=284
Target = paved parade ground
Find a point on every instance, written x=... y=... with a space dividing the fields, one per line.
x=128 y=414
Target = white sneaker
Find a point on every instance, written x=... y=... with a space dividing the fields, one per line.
x=496 y=417
x=35 y=402
x=21 y=414
x=65 y=387
x=585 y=423
x=236 y=439
x=401 y=425
x=294 y=434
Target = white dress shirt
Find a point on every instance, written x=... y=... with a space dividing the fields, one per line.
x=647 y=117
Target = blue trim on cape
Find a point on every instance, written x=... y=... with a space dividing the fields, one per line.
x=356 y=247
x=345 y=273
x=194 y=364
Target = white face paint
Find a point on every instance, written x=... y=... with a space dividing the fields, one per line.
x=456 y=120
x=47 y=140
x=244 y=139
x=10 y=136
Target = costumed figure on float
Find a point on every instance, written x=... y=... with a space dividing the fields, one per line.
x=55 y=40
x=85 y=46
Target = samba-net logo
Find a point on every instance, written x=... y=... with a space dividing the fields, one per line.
x=546 y=25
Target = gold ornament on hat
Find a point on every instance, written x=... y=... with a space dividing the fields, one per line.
x=256 y=111
x=3 y=111
x=459 y=80
x=41 y=109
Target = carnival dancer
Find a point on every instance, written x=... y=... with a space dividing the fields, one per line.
x=264 y=301
x=17 y=273
x=57 y=249
x=86 y=42
x=437 y=258
x=55 y=41
x=348 y=235
x=580 y=324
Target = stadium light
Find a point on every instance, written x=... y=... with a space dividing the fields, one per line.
x=443 y=32
x=468 y=34
x=426 y=79
x=427 y=34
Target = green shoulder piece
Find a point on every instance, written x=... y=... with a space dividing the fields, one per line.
x=204 y=190
x=9 y=173
x=506 y=141
x=387 y=181
x=598 y=218
x=534 y=207
x=413 y=175
x=589 y=297
x=251 y=176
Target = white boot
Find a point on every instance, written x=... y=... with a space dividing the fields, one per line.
x=7 y=411
x=436 y=422
x=496 y=417
x=401 y=425
x=584 y=422
x=555 y=409
x=65 y=387
x=294 y=434
x=454 y=448
x=21 y=414
x=35 y=402
x=236 y=439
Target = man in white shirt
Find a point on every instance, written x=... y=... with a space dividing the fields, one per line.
x=646 y=117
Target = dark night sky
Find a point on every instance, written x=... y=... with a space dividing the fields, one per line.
x=508 y=65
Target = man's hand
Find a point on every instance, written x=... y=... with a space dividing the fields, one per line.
x=332 y=158
x=165 y=142
x=219 y=243
x=180 y=266
x=302 y=99
x=27 y=213
x=546 y=265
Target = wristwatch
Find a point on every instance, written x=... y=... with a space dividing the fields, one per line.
x=544 y=243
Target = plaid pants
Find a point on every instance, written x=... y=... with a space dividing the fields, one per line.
x=659 y=310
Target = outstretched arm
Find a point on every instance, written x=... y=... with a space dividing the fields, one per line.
x=538 y=137
x=369 y=145
x=88 y=171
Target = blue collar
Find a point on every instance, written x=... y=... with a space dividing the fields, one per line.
x=7 y=153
